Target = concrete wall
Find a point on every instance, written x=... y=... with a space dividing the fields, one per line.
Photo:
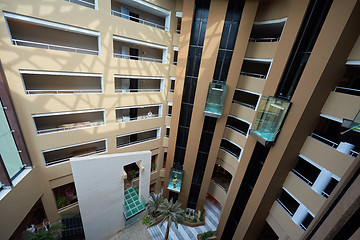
x=100 y=190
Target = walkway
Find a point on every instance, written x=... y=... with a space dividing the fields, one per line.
x=188 y=233
x=137 y=231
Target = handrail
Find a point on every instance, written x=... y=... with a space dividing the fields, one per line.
x=138 y=118
x=357 y=91
x=53 y=46
x=175 y=63
x=60 y=91
x=332 y=144
x=286 y=209
x=253 y=74
x=64 y=159
x=135 y=142
x=231 y=153
x=177 y=31
x=127 y=56
x=324 y=194
x=92 y=124
x=244 y=104
x=214 y=181
x=236 y=129
x=264 y=39
x=302 y=177
x=142 y=21
x=82 y=1
x=136 y=90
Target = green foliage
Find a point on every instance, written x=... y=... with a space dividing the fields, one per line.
x=147 y=220
x=206 y=235
x=171 y=213
x=193 y=220
x=153 y=166
x=133 y=174
x=52 y=233
x=61 y=202
x=154 y=203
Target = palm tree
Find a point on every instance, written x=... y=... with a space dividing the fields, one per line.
x=172 y=213
x=52 y=233
x=154 y=203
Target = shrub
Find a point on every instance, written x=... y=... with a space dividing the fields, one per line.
x=202 y=215
x=147 y=220
x=193 y=220
x=61 y=202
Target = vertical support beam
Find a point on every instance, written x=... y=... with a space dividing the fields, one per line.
x=12 y=119
x=4 y=176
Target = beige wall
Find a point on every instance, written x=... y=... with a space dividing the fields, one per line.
x=14 y=58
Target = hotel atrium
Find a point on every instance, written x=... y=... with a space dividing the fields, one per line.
x=253 y=105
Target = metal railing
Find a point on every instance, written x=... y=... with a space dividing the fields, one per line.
x=258 y=75
x=324 y=194
x=217 y=183
x=147 y=59
x=135 y=142
x=236 y=129
x=264 y=39
x=63 y=91
x=230 y=152
x=139 y=20
x=284 y=207
x=345 y=90
x=137 y=118
x=175 y=63
x=178 y=31
x=67 y=158
x=87 y=4
x=307 y=181
x=19 y=42
x=136 y=90
x=244 y=104
x=68 y=128
x=331 y=143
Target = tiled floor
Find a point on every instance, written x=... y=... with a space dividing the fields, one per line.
x=136 y=231
x=188 y=233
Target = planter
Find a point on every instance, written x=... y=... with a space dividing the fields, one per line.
x=208 y=238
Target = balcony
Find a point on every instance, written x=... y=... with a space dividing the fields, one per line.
x=350 y=83
x=63 y=154
x=46 y=82
x=238 y=125
x=258 y=68
x=65 y=196
x=67 y=121
x=135 y=138
x=33 y=32
x=327 y=132
x=267 y=31
x=221 y=177
x=138 y=113
x=134 y=84
x=230 y=148
x=85 y=3
x=246 y=98
x=288 y=203
x=126 y=48
x=141 y=12
x=306 y=171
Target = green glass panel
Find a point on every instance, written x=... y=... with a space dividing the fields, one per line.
x=8 y=148
x=215 y=100
x=355 y=125
x=269 y=117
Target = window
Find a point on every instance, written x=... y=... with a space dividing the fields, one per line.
x=267 y=31
x=169 y=111
x=65 y=195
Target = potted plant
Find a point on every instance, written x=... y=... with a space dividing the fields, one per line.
x=61 y=202
x=153 y=166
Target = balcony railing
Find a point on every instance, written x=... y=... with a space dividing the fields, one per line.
x=136 y=90
x=264 y=39
x=331 y=143
x=214 y=181
x=229 y=152
x=284 y=207
x=258 y=75
x=137 y=118
x=20 y=42
x=64 y=91
x=244 y=104
x=351 y=91
x=135 y=142
x=139 y=20
x=87 y=4
x=64 y=159
x=126 y=56
x=70 y=127
x=307 y=181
